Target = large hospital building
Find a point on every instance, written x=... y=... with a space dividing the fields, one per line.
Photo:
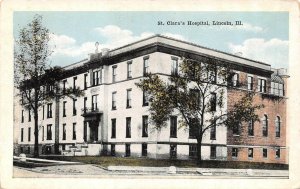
x=112 y=117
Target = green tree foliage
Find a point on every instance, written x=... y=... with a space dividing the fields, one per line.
x=36 y=82
x=197 y=93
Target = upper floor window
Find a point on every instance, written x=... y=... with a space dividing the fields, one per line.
x=114 y=73
x=277 y=126
x=49 y=110
x=129 y=72
x=43 y=109
x=43 y=133
x=29 y=134
x=236 y=129
x=213 y=102
x=251 y=128
x=114 y=103
x=193 y=128
x=85 y=81
x=22 y=117
x=96 y=77
x=145 y=126
x=128 y=99
x=145 y=98
x=146 y=66
x=250 y=83
x=235 y=79
x=49 y=132
x=128 y=127
x=64 y=108
x=22 y=134
x=261 y=85
x=277 y=89
x=213 y=132
x=94 y=102
x=29 y=115
x=74 y=82
x=64 y=86
x=74 y=107
x=113 y=128
x=84 y=104
x=173 y=127
x=265 y=125
x=174 y=66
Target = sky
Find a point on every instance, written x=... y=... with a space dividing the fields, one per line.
x=262 y=37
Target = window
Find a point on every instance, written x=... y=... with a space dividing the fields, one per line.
x=63 y=147
x=261 y=85
x=128 y=127
x=49 y=110
x=85 y=81
x=236 y=129
x=84 y=104
x=74 y=107
x=84 y=131
x=64 y=86
x=212 y=74
x=213 y=152
x=145 y=126
x=265 y=152
x=144 y=150
x=277 y=153
x=265 y=125
x=113 y=128
x=195 y=96
x=74 y=82
x=192 y=150
x=64 y=108
x=277 y=126
x=64 y=132
x=114 y=74
x=250 y=83
x=112 y=149
x=234 y=152
x=173 y=127
x=96 y=77
x=213 y=102
x=127 y=150
x=146 y=66
x=43 y=133
x=22 y=117
x=22 y=134
x=49 y=132
x=251 y=128
x=193 y=128
x=129 y=63
x=74 y=131
x=128 y=101
x=173 y=151
x=250 y=152
x=145 y=98
x=29 y=115
x=114 y=103
x=235 y=80
x=174 y=66
x=94 y=103
x=43 y=112
x=29 y=133
x=277 y=89
x=213 y=132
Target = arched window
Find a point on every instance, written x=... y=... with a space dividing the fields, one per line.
x=277 y=126
x=265 y=125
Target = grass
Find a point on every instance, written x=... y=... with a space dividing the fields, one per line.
x=106 y=161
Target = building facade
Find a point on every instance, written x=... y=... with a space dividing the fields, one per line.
x=112 y=117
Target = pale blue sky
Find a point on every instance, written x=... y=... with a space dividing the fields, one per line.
x=263 y=37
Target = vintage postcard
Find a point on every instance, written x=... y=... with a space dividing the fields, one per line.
x=128 y=94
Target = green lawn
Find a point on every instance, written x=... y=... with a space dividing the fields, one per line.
x=105 y=161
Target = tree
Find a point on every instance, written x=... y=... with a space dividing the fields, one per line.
x=197 y=94
x=36 y=82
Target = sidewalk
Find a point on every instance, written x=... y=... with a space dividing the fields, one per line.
x=89 y=170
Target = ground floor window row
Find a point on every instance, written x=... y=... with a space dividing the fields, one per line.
x=172 y=150
x=263 y=152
